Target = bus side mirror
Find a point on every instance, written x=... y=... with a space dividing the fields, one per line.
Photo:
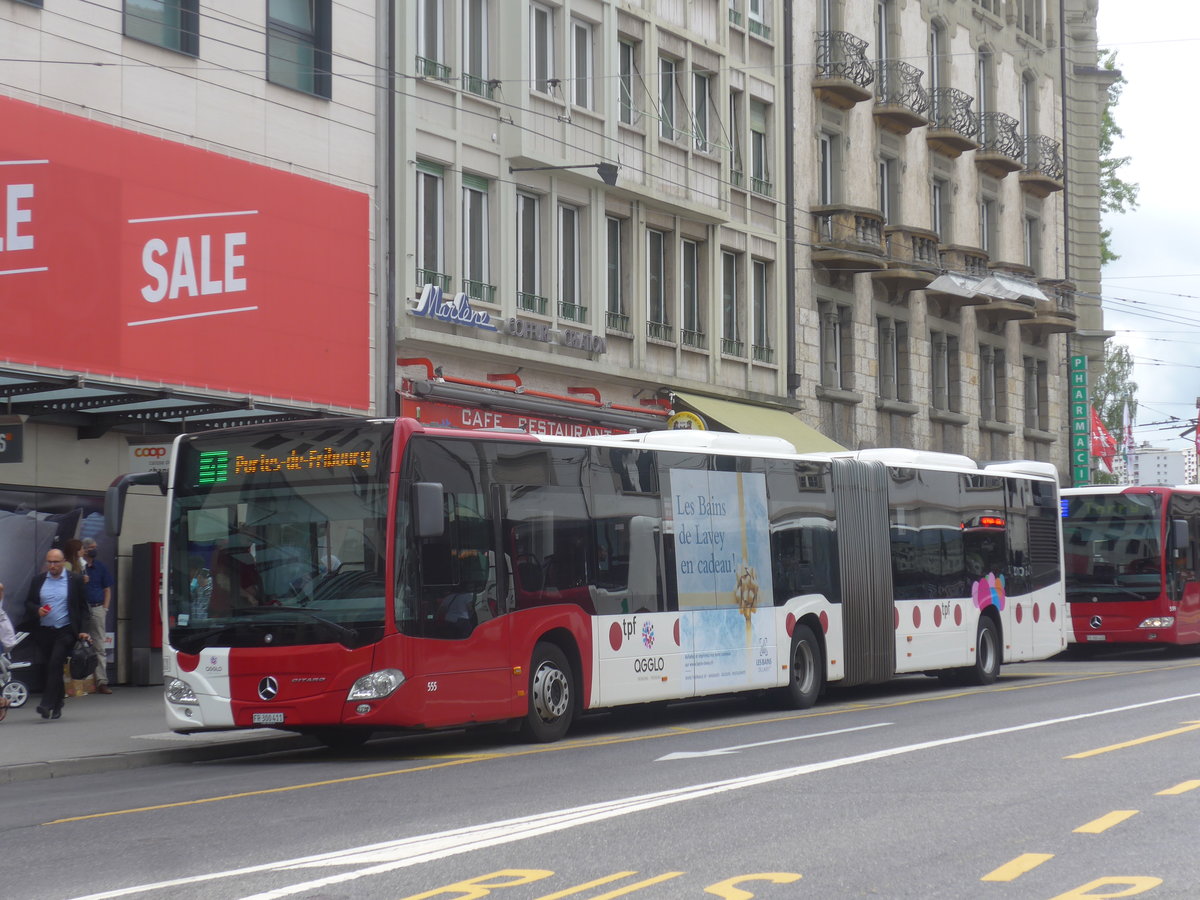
x=114 y=497
x=429 y=519
x=1179 y=536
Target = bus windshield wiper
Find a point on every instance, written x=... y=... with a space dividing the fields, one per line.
x=347 y=635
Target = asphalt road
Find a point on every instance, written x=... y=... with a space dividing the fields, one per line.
x=1066 y=779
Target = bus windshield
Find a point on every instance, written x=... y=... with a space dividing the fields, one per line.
x=1111 y=546
x=280 y=542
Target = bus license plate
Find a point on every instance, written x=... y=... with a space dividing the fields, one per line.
x=267 y=718
x=1097 y=637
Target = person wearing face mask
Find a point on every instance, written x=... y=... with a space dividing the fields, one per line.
x=99 y=597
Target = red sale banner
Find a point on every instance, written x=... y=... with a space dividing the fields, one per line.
x=130 y=256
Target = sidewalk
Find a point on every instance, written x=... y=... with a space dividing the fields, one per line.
x=122 y=730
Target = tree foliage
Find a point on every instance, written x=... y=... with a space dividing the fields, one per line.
x=1116 y=194
x=1111 y=391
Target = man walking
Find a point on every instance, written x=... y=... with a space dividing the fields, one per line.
x=99 y=597
x=56 y=613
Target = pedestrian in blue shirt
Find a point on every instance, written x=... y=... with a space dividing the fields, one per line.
x=56 y=614
x=99 y=595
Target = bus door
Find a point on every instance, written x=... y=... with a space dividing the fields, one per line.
x=1183 y=554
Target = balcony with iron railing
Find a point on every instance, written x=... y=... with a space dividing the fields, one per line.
x=431 y=68
x=1043 y=172
x=761 y=353
x=733 y=347
x=844 y=74
x=615 y=321
x=759 y=28
x=478 y=290
x=1001 y=149
x=846 y=237
x=694 y=340
x=572 y=312
x=480 y=87
x=962 y=271
x=532 y=303
x=901 y=102
x=660 y=331
x=952 y=124
x=430 y=276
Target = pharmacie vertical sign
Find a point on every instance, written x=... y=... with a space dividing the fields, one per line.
x=1081 y=423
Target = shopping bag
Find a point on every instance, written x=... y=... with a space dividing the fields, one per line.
x=83 y=660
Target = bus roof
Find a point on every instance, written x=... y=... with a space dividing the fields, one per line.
x=1129 y=489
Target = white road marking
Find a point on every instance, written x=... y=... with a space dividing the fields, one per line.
x=726 y=751
x=391 y=855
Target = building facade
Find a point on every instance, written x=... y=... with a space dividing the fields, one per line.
x=854 y=223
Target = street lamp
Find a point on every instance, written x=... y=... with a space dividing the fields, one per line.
x=606 y=170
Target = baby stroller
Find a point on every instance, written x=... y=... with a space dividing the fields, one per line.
x=14 y=680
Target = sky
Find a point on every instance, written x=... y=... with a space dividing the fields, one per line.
x=1152 y=293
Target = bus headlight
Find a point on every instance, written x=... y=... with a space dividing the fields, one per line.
x=180 y=692
x=1158 y=622
x=377 y=685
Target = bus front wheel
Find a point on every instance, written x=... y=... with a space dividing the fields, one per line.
x=551 y=695
x=805 y=670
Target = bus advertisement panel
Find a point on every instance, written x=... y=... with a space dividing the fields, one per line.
x=1130 y=554
x=344 y=576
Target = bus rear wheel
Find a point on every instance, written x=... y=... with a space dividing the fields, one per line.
x=806 y=668
x=551 y=695
x=987 y=655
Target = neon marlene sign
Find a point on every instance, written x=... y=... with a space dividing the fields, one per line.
x=458 y=311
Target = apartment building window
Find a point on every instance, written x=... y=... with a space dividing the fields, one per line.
x=701 y=82
x=993 y=391
x=570 y=302
x=1033 y=243
x=476 y=231
x=430 y=222
x=946 y=372
x=760 y=161
x=431 y=57
x=837 y=346
x=667 y=72
x=987 y=225
x=541 y=47
x=617 y=318
x=529 y=260
x=756 y=12
x=984 y=83
x=476 y=75
x=628 y=80
x=828 y=163
x=936 y=64
x=737 y=168
x=1037 y=394
x=1029 y=17
x=939 y=195
x=693 y=315
x=888 y=179
x=731 y=325
x=298 y=42
x=174 y=24
x=582 y=68
x=892 y=336
x=657 y=315
x=760 y=295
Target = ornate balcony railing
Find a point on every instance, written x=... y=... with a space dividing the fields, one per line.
x=1000 y=133
x=660 y=331
x=762 y=354
x=950 y=110
x=572 y=312
x=478 y=290
x=1043 y=157
x=732 y=347
x=842 y=55
x=899 y=84
x=697 y=340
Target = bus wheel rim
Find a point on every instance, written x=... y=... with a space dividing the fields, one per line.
x=551 y=692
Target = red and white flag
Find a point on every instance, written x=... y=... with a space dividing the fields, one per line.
x=1104 y=445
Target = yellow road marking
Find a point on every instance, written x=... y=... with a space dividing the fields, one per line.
x=1191 y=726
x=579 y=889
x=1181 y=788
x=629 y=889
x=1010 y=871
x=461 y=759
x=1116 y=817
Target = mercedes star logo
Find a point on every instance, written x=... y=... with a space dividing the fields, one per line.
x=268 y=688
x=1095 y=622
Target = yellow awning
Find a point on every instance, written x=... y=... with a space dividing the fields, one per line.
x=746 y=419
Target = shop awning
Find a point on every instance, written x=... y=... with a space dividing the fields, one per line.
x=746 y=419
